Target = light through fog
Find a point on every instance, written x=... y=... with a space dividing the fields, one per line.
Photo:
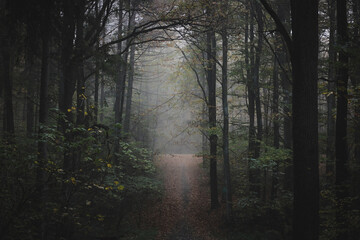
x=170 y=99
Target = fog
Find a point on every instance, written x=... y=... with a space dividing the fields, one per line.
x=168 y=95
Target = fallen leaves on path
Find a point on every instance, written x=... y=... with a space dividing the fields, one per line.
x=186 y=201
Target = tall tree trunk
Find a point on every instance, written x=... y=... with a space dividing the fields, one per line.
x=303 y=48
x=304 y=61
x=283 y=11
x=330 y=141
x=102 y=98
x=97 y=73
x=227 y=177
x=355 y=79
x=119 y=80
x=254 y=104
x=80 y=78
x=129 y=91
x=211 y=80
x=276 y=127
x=30 y=86
x=204 y=112
x=341 y=147
x=275 y=106
x=9 y=127
x=256 y=77
x=43 y=119
x=96 y=88
x=250 y=87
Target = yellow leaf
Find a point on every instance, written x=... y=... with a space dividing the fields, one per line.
x=121 y=187
x=69 y=110
x=100 y=217
x=73 y=180
x=109 y=165
x=116 y=182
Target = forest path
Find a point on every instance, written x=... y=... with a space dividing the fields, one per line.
x=184 y=211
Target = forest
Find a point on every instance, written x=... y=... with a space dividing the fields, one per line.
x=180 y=119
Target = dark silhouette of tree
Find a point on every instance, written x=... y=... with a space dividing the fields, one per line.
x=225 y=105
x=341 y=146
x=303 y=48
x=211 y=81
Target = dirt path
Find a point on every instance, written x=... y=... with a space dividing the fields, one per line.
x=183 y=213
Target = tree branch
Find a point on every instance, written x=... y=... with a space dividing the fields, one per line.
x=280 y=26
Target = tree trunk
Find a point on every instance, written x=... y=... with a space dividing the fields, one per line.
x=355 y=79
x=43 y=119
x=275 y=107
x=211 y=80
x=341 y=147
x=256 y=77
x=102 y=98
x=129 y=91
x=250 y=87
x=254 y=104
x=304 y=61
x=80 y=78
x=30 y=86
x=125 y=59
x=330 y=141
x=9 y=127
x=227 y=177
x=96 y=86
x=283 y=58
x=119 y=80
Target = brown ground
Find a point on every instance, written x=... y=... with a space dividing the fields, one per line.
x=183 y=212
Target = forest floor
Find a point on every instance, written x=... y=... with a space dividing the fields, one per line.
x=183 y=213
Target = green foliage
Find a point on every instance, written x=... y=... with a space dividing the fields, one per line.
x=270 y=158
x=84 y=200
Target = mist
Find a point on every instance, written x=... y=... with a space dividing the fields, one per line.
x=169 y=101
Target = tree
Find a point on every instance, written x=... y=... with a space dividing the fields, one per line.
x=330 y=146
x=341 y=146
x=211 y=80
x=8 y=26
x=303 y=48
x=224 y=97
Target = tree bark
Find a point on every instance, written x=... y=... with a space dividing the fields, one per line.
x=211 y=80
x=256 y=78
x=330 y=141
x=102 y=99
x=119 y=80
x=227 y=177
x=341 y=146
x=355 y=79
x=9 y=126
x=304 y=61
x=129 y=91
x=43 y=119
x=275 y=107
x=250 y=87
x=96 y=89
x=79 y=49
